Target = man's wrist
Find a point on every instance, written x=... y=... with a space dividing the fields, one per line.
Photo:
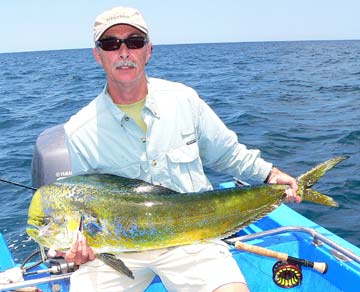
x=266 y=181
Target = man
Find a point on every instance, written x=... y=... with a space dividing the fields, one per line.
x=163 y=133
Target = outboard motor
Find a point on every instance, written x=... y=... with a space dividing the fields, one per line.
x=51 y=159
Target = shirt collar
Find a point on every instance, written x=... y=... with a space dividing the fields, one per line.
x=110 y=104
x=150 y=102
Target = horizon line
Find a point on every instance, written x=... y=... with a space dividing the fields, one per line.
x=196 y=43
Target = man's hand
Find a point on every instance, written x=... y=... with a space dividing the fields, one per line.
x=278 y=177
x=79 y=253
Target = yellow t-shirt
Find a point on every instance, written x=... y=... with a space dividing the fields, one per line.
x=134 y=111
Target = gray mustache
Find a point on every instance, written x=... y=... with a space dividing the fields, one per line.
x=125 y=63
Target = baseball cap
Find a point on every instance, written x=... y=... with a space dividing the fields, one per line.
x=118 y=15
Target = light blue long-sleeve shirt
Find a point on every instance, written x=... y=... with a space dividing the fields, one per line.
x=183 y=135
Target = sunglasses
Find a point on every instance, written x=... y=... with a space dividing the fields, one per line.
x=113 y=44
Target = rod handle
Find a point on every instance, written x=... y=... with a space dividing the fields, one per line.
x=320 y=267
x=261 y=251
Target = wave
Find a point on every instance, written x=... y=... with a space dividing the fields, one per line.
x=340 y=88
x=352 y=138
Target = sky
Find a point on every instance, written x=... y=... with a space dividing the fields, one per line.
x=36 y=25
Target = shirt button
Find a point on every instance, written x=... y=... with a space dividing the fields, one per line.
x=154 y=163
x=143 y=140
x=127 y=118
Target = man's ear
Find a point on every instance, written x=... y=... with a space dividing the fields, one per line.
x=148 y=52
x=97 y=56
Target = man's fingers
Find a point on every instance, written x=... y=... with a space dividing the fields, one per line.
x=80 y=252
x=83 y=249
x=279 y=177
x=91 y=254
x=291 y=196
x=74 y=247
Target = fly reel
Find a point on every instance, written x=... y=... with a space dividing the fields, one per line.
x=287 y=275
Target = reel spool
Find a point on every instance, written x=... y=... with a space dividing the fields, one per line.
x=287 y=275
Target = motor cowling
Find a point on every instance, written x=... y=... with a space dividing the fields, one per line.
x=51 y=159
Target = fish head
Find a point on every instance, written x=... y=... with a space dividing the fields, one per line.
x=56 y=232
x=51 y=226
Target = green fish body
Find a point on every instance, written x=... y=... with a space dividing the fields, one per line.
x=118 y=214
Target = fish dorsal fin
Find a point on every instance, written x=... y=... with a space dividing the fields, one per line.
x=261 y=212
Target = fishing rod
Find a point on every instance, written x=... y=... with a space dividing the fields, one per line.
x=317 y=266
x=287 y=271
x=17 y=184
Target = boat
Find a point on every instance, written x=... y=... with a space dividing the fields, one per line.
x=291 y=251
x=283 y=230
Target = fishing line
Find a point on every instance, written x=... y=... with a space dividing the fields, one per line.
x=17 y=184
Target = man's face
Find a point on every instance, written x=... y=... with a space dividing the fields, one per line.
x=124 y=65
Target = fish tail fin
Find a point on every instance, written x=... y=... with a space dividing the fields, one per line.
x=313 y=196
x=308 y=179
x=117 y=264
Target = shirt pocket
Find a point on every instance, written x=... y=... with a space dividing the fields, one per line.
x=184 y=154
x=185 y=167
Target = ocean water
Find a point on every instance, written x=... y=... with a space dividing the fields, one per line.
x=299 y=102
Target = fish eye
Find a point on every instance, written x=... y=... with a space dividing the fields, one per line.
x=45 y=221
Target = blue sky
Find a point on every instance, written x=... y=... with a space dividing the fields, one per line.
x=32 y=25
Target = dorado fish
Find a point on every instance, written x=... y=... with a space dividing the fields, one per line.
x=118 y=214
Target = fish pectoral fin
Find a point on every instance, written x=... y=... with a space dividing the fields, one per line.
x=117 y=264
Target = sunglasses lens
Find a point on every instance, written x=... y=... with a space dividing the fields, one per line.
x=135 y=42
x=113 y=44
x=109 y=44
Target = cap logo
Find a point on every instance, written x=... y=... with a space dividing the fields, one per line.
x=117 y=17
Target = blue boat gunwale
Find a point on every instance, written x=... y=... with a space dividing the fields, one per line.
x=342 y=274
